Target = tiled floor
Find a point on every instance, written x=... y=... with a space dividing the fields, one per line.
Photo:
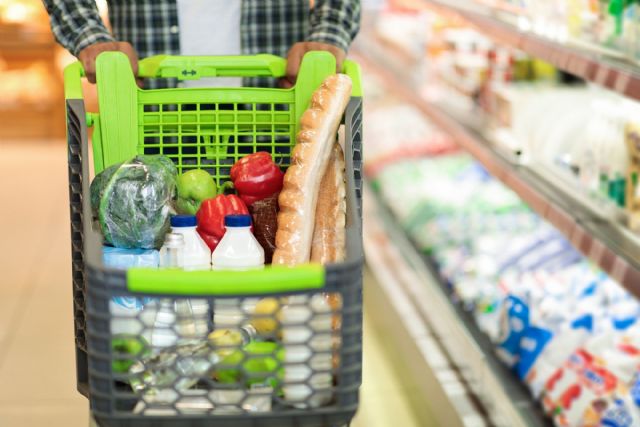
x=37 y=366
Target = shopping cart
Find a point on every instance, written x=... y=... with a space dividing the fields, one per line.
x=218 y=383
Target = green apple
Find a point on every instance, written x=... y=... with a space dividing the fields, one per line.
x=265 y=369
x=128 y=347
x=256 y=363
x=194 y=186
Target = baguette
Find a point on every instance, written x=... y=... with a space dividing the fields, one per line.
x=298 y=199
x=328 y=244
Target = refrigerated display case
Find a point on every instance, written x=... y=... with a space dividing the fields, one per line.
x=546 y=163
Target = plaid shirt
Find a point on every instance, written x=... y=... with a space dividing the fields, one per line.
x=151 y=26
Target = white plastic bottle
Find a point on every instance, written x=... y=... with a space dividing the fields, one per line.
x=238 y=250
x=196 y=256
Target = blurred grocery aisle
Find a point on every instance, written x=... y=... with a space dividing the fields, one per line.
x=37 y=366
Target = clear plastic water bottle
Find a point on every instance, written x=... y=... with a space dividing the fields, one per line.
x=175 y=320
x=172 y=251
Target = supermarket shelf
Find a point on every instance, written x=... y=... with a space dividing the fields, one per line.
x=601 y=66
x=608 y=244
x=449 y=356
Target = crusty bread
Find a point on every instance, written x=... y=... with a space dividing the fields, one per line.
x=328 y=244
x=297 y=201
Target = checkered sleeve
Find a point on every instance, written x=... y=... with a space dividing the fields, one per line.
x=335 y=22
x=76 y=24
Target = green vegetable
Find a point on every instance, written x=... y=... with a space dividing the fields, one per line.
x=132 y=201
x=194 y=186
x=129 y=347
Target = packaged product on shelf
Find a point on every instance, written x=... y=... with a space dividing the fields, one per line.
x=537 y=308
x=454 y=206
x=529 y=290
x=604 y=160
x=579 y=391
x=521 y=108
x=407 y=135
x=591 y=159
x=132 y=201
x=632 y=202
x=406 y=30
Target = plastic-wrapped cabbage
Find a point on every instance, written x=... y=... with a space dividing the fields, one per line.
x=132 y=201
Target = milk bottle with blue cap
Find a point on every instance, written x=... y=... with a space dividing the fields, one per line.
x=238 y=250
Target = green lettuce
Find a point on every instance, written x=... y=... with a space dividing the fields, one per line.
x=132 y=201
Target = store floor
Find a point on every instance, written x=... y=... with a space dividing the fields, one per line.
x=37 y=366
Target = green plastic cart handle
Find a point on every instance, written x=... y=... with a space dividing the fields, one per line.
x=204 y=66
x=195 y=67
x=275 y=279
x=73 y=74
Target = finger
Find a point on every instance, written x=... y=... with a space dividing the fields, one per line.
x=340 y=57
x=131 y=53
x=339 y=60
x=293 y=62
x=134 y=65
x=140 y=83
x=90 y=69
x=285 y=84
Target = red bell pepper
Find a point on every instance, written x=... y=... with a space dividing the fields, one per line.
x=211 y=215
x=256 y=177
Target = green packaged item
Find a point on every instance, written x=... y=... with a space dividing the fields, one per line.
x=132 y=201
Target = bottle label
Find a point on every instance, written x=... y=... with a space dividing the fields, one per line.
x=131 y=303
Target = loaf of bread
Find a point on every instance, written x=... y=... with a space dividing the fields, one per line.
x=298 y=199
x=328 y=243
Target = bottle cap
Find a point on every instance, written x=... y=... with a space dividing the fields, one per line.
x=249 y=333
x=174 y=240
x=183 y=221
x=237 y=221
